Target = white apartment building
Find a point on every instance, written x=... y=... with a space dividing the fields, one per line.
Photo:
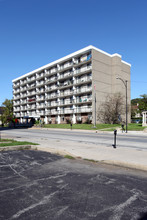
x=65 y=89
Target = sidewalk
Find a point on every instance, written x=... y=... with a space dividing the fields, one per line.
x=121 y=156
x=131 y=157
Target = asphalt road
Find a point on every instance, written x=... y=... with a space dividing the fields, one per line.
x=38 y=185
x=106 y=139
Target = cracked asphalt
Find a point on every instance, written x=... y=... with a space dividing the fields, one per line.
x=37 y=185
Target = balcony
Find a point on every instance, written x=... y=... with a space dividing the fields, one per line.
x=54 y=112
x=82 y=71
x=16 y=85
x=17 y=115
x=40 y=106
x=83 y=100
x=62 y=94
x=83 y=90
x=30 y=87
x=23 y=102
x=50 y=81
x=16 y=91
x=32 y=107
x=84 y=110
x=31 y=79
x=51 y=89
x=66 y=111
x=64 y=68
x=16 y=104
x=53 y=105
x=31 y=100
x=40 y=99
x=40 y=84
x=16 y=109
x=23 y=89
x=16 y=98
x=40 y=76
x=51 y=72
x=80 y=62
x=51 y=97
x=23 y=108
x=66 y=102
x=83 y=81
x=65 y=85
x=65 y=76
x=40 y=91
x=31 y=93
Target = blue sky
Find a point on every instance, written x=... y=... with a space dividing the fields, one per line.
x=35 y=32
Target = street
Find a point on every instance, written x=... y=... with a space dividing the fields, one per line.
x=78 y=137
x=36 y=185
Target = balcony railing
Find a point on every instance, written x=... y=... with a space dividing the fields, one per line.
x=84 y=109
x=40 y=106
x=83 y=100
x=66 y=75
x=15 y=98
x=65 y=67
x=23 y=89
x=54 y=112
x=40 y=99
x=16 y=85
x=16 y=91
x=31 y=79
x=79 y=81
x=40 y=76
x=23 y=82
x=49 y=81
x=83 y=90
x=68 y=102
x=15 y=104
x=84 y=70
x=40 y=84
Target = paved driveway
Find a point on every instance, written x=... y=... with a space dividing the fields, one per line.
x=37 y=185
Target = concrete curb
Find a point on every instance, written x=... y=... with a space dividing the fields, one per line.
x=126 y=165
x=18 y=147
x=144 y=132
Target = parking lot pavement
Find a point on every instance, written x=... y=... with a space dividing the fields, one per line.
x=37 y=185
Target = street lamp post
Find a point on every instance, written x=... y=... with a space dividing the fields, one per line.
x=125 y=84
x=95 y=110
x=94 y=106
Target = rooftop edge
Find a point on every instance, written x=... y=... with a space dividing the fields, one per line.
x=67 y=57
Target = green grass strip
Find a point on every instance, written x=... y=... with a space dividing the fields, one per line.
x=14 y=143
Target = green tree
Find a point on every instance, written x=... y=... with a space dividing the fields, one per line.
x=7 y=115
x=143 y=103
x=138 y=105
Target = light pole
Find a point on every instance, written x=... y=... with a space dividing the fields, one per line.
x=125 y=84
x=95 y=106
x=95 y=110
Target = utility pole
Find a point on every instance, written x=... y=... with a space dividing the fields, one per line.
x=94 y=106
x=125 y=84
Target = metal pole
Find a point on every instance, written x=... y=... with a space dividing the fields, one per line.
x=126 y=110
x=115 y=133
x=125 y=84
x=95 y=111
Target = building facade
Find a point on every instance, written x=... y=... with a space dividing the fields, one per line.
x=65 y=89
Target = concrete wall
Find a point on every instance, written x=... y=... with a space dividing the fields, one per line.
x=105 y=70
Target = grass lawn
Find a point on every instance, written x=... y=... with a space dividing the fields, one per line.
x=80 y=126
x=105 y=127
x=11 y=142
x=135 y=127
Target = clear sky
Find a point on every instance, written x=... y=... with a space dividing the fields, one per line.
x=36 y=32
